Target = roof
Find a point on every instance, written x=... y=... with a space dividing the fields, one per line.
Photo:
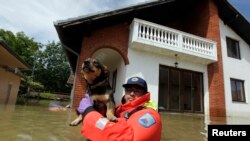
x=72 y=31
x=9 y=58
x=234 y=19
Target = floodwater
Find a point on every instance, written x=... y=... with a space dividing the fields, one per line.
x=34 y=122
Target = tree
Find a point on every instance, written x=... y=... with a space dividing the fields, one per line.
x=49 y=65
x=55 y=70
x=24 y=46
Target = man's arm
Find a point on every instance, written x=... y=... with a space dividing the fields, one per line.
x=98 y=128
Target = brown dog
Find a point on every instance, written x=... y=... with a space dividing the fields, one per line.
x=96 y=75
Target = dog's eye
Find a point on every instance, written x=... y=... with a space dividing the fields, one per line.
x=96 y=63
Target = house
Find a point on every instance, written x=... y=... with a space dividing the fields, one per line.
x=194 y=54
x=10 y=74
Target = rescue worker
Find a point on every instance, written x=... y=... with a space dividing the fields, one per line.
x=138 y=119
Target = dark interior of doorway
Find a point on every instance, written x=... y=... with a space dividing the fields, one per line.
x=180 y=90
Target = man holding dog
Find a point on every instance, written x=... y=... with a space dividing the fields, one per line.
x=137 y=119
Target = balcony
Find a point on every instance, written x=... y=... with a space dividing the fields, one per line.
x=160 y=39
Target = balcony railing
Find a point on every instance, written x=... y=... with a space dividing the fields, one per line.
x=154 y=35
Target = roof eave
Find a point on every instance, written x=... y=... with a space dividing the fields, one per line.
x=234 y=19
x=6 y=46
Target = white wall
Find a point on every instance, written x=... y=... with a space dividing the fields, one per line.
x=235 y=68
x=121 y=69
x=146 y=65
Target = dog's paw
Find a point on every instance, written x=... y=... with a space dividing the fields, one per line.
x=77 y=121
x=112 y=117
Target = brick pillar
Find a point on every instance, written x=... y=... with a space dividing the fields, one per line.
x=80 y=84
x=215 y=70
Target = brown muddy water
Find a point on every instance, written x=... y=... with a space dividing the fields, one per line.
x=34 y=122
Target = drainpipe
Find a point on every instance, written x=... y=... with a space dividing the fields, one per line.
x=73 y=87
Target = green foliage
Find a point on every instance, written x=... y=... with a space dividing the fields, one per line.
x=50 y=69
x=35 y=86
x=55 y=69
x=42 y=95
x=32 y=85
x=24 y=46
x=48 y=96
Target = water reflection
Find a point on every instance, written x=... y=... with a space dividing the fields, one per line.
x=183 y=127
x=37 y=123
x=34 y=122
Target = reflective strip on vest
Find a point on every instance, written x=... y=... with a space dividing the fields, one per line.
x=101 y=123
x=151 y=104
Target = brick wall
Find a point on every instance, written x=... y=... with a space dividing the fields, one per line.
x=204 y=21
x=215 y=70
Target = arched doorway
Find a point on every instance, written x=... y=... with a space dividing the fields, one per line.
x=115 y=63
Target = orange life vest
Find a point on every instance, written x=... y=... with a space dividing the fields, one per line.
x=143 y=125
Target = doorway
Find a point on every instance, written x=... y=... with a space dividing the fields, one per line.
x=180 y=90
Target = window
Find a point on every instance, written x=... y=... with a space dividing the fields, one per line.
x=233 y=48
x=237 y=90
